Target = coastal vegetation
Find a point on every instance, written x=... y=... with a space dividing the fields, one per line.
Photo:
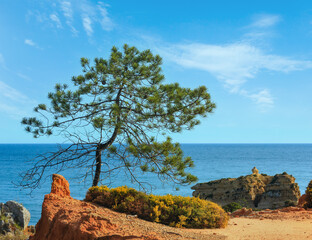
x=15 y=232
x=175 y=211
x=232 y=207
x=118 y=115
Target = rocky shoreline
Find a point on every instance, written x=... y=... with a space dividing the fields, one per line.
x=65 y=218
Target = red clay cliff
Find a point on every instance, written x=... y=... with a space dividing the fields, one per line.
x=65 y=218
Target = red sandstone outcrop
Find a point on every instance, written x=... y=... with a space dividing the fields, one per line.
x=60 y=186
x=64 y=218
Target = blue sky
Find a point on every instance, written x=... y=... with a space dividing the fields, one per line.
x=255 y=59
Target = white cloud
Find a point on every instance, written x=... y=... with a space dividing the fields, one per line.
x=56 y=20
x=13 y=102
x=23 y=76
x=87 y=25
x=95 y=14
x=67 y=10
x=262 y=98
x=265 y=20
x=106 y=23
x=233 y=64
x=92 y=15
x=12 y=93
x=29 y=42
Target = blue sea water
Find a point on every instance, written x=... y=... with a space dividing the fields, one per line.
x=212 y=161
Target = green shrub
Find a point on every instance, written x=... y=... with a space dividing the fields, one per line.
x=176 y=211
x=231 y=207
x=290 y=203
x=309 y=195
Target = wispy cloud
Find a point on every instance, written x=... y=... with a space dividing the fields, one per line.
x=87 y=24
x=29 y=42
x=54 y=17
x=262 y=98
x=233 y=64
x=105 y=20
x=13 y=102
x=12 y=93
x=84 y=15
x=66 y=8
x=265 y=20
x=92 y=14
x=23 y=76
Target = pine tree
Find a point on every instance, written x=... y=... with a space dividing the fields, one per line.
x=113 y=116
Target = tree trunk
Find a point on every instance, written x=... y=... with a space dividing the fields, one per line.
x=100 y=147
x=98 y=164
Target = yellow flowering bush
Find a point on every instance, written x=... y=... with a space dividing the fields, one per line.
x=176 y=211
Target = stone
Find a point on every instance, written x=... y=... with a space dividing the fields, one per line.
x=7 y=224
x=19 y=213
x=255 y=171
x=4 y=227
x=60 y=186
x=252 y=191
x=242 y=212
x=3 y=209
x=303 y=201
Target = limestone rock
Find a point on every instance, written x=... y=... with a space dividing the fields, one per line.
x=252 y=191
x=19 y=213
x=12 y=214
x=255 y=171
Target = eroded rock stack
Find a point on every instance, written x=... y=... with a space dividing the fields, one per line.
x=253 y=191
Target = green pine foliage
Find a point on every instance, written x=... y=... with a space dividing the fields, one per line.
x=176 y=211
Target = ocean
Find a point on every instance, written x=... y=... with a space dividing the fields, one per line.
x=212 y=161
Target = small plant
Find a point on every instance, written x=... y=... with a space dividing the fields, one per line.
x=17 y=232
x=18 y=235
x=290 y=203
x=175 y=211
x=232 y=207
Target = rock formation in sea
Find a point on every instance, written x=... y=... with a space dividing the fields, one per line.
x=253 y=191
x=65 y=218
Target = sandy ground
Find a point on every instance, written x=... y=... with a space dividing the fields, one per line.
x=266 y=229
x=266 y=225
